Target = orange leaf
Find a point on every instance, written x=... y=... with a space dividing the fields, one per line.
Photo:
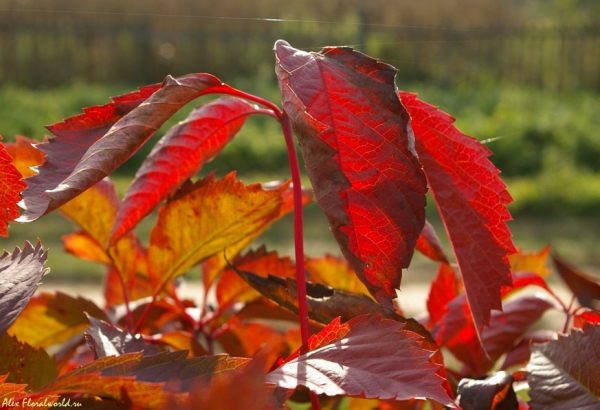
x=51 y=319
x=335 y=272
x=216 y=263
x=11 y=185
x=231 y=288
x=127 y=255
x=535 y=262
x=25 y=155
x=209 y=218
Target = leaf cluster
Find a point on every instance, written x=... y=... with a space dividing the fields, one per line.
x=372 y=153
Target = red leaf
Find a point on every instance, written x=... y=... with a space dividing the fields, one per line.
x=20 y=274
x=472 y=201
x=444 y=288
x=11 y=186
x=588 y=317
x=429 y=244
x=359 y=157
x=565 y=373
x=183 y=150
x=90 y=146
x=457 y=332
x=347 y=359
x=585 y=288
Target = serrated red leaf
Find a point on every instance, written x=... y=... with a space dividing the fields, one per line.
x=20 y=275
x=92 y=145
x=11 y=186
x=585 y=288
x=359 y=157
x=183 y=150
x=346 y=359
x=429 y=244
x=565 y=373
x=472 y=202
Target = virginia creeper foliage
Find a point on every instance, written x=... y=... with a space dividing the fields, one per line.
x=372 y=153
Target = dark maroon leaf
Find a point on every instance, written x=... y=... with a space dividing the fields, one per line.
x=472 y=202
x=183 y=150
x=347 y=359
x=585 y=288
x=359 y=157
x=20 y=274
x=496 y=393
x=519 y=354
x=456 y=331
x=106 y=339
x=90 y=146
x=565 y=373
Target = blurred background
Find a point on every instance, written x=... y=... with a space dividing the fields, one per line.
x=523 y=76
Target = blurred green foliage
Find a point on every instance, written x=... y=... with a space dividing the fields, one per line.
x=545 y=144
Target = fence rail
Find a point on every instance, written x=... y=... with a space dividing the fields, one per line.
x=51 y=49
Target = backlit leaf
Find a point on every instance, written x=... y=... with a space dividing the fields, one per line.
x=90 y=146
x=127 y=255
x=183 y=150
x=25 y=364
x=231 y=288
x=346 y=359
x=216 y=263
x=206 y=220
x=20 y=274
x=11 y=185
x=537 y=262
x=584 y=287
x=472 y=202
x=444 y=288
x=25 y=155
x=565 y=373
x=50 y=319
x=359 y=157
x=429 y=244
x=335 y=272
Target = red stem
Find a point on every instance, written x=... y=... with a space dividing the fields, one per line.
x=298 y=226
x=286 y=126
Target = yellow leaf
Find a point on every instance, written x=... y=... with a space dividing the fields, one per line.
x=210 y=217
x=526 y=261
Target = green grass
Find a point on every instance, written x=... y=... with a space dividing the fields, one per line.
x=547 y=150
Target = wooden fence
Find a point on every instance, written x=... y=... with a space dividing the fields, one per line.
x=47 y=49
